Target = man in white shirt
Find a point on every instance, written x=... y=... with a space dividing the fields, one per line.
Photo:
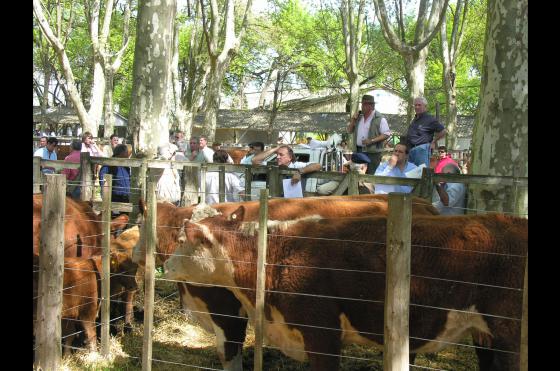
x=370 y=130
x=449 y=198
x=205 y=154
x=232 y=184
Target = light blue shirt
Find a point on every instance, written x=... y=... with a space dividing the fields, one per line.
x=456 y=193
x=385 y=170
x=45 y=155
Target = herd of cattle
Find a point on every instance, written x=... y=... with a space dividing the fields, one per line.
x=325 y=283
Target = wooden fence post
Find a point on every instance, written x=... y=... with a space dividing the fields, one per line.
x=143 y=175
x=261 y=280
x=86 y=193
x=37 y=175
x=397 y=283
x=222 y=184
x=353 y=183
x=274 y=180
x=149 y=280
x=524 y=351
x=426 y=186
x=248 y=180
x=190 y=183
x=51 y=274
x=106 y=265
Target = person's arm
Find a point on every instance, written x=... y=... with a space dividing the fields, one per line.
x=437 y=136
x=258 y=159
x=352 y=124
x=305 y=170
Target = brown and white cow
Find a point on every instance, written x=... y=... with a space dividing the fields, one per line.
x=82 y=227
x=324 y=287
x=216 y=309
x=82 y=291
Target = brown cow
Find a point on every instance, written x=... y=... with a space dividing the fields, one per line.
x=82 y=227
x=82 y=291
x=467 y=276
x=225 y=310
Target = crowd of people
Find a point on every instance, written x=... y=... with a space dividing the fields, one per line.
x=368 y=127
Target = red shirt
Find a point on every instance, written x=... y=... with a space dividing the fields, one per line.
x=71 y=174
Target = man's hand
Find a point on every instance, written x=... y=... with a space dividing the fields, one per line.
x=296 y=178
x=393 y=160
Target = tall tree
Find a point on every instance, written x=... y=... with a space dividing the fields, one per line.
x=428 y=21
x=56 y=41
x=219 y=28
x=149 y=119
x=500 y=138
x=352 y=24
x=450 y=57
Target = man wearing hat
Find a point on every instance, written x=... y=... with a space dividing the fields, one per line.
x=370 y=130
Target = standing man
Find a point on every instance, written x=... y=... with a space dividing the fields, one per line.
x=423 y=133
x=370 y=132
x=397 y=166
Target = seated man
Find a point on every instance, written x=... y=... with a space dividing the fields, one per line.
x=449 y=198
x=397 y=166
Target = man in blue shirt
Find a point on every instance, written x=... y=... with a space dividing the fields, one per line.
x=423 y=133
x=121 y=176
x=397 y=166
x=47 y=153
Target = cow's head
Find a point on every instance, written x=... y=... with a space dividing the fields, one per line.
x=123 y=270
x=202 y=251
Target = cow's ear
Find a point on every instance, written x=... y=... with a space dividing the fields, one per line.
x=238 y=214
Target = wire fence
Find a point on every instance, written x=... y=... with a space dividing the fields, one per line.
x=162 y=229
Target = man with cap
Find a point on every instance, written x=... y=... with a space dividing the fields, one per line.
x=370 y=130
x=359 y=162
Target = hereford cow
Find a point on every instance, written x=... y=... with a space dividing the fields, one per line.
x=82 y=227
x=227 y=316
x=467 y=277
x=82 y=291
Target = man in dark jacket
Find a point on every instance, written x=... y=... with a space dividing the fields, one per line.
x=121 y=176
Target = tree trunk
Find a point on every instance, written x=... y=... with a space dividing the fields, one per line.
x=108 y=117
x=415 y=64
x=500 y=138
x=149 y=118
x=96 y=99
x=45 y=97
x=212 y=99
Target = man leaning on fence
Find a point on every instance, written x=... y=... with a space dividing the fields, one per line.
x=121 y=176
x=370 y=130
x=48 y=152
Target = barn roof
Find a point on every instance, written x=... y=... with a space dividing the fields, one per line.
x=68 y=116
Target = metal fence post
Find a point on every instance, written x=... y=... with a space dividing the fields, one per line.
x=222 y=184
x=248 y=180
x=397 y=284
x=524 y=351
x=51 y=274
x=261 y=280
x=106 y=265
x=149 y=280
